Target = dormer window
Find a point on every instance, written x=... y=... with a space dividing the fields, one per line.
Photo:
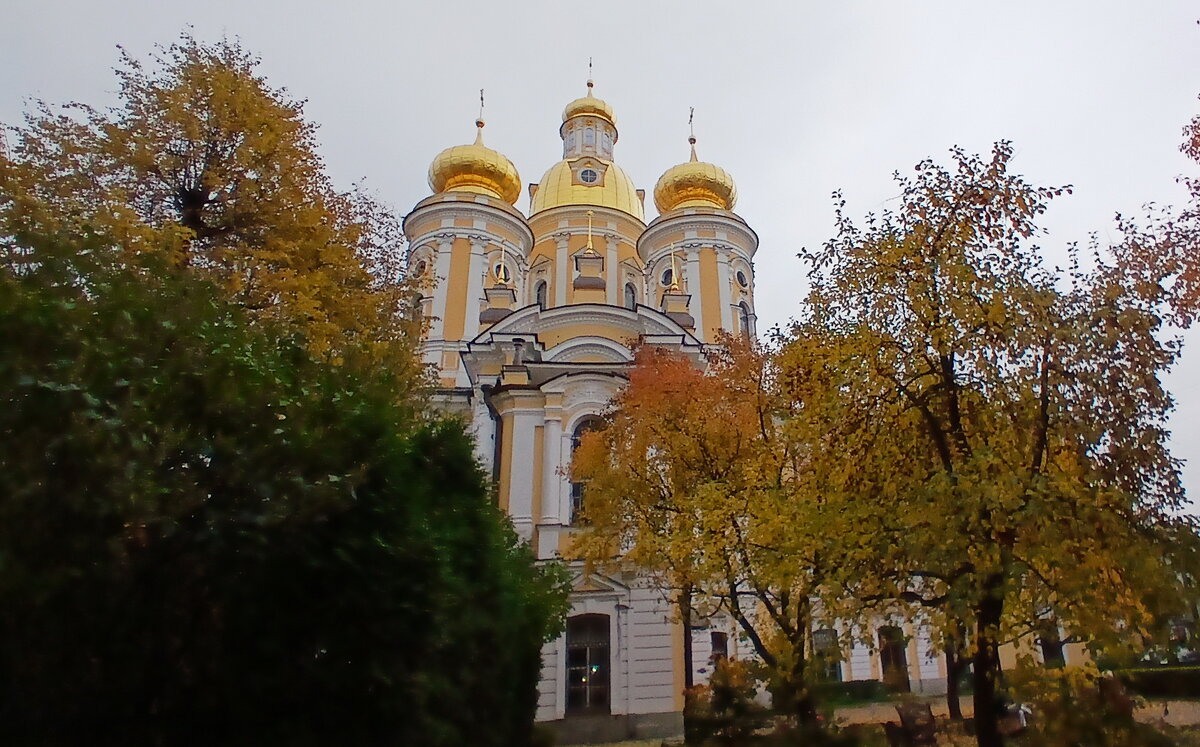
x=588 y=176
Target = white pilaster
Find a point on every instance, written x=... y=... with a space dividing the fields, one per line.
x=552 y=495
x=561 y=271
x=612 y=273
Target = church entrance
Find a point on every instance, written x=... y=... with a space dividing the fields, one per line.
x=587 y=665
x=892 y=659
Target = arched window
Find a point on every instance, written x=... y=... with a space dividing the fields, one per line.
x=539 y=293
x=630 y=296
x=744 y=318
x=589 y=423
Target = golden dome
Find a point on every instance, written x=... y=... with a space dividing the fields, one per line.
x=475 y=168
x=614 y=189
x=693 y=184
x=589 y=104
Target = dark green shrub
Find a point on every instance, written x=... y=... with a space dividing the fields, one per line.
x=854 y=691
x=1162 y=682
x=209 y=535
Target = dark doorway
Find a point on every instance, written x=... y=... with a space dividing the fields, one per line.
x=587 y=664
x=892 y=659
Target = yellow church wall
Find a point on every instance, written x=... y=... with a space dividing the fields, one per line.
x=454 y=323
x=464 y=223
x=710 y=295
x=506 y=439
x=553 y=337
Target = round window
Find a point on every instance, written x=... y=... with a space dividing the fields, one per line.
x=741 y=279
x=588 y=176
x=668 y=276
x=501 y=273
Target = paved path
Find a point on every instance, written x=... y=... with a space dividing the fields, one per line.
x=1173 y=712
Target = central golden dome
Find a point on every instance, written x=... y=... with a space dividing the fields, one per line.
x=589 y=104
x=695 y=184
x=475 y=168
x=560 y=187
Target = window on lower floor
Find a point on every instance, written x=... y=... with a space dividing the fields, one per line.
x=577 y=486
x=827 y=655
x=588 y=685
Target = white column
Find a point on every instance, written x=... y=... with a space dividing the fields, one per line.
x=552 y=495
x=613 y=274
x=525 y=417
x=562 y=272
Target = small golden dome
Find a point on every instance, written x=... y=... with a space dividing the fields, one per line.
x=589 y=104
x=475 y=168
x=695 y=183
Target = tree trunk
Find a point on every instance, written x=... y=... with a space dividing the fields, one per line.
x=685 y=617
x=790 y=694
x=956 y=664
x=988 y=705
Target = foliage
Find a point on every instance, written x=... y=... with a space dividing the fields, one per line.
x=692 y=480
x=1078 y=706
x=988 y=434
x=207 y=530
x=206 y=165
x=725 y=712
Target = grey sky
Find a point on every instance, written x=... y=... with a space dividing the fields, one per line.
x=794 y=99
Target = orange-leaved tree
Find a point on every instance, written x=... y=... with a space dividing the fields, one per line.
x=204 y=163
x=989 y=433
x=692 y=480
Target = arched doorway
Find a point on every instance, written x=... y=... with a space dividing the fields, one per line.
x=587 y=665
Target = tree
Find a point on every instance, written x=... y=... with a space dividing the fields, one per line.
x=208 y=533
x=204 y=163
x=989 y=432
x=692 y=480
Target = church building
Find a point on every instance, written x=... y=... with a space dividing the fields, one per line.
x=532 y=320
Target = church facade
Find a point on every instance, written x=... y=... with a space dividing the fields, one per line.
x=532 y=321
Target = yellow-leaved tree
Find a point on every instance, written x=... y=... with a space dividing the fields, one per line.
x=692 y=480
x=206 y=163
x=989 y=431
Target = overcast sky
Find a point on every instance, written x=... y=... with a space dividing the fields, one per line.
x=795 y=99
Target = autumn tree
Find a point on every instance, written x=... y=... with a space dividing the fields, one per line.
x=692 y=480
x=989 y=431
x=203 y=162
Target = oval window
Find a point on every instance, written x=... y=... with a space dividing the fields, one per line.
x=741 y=279
x=588 y=176
x=668 y=276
